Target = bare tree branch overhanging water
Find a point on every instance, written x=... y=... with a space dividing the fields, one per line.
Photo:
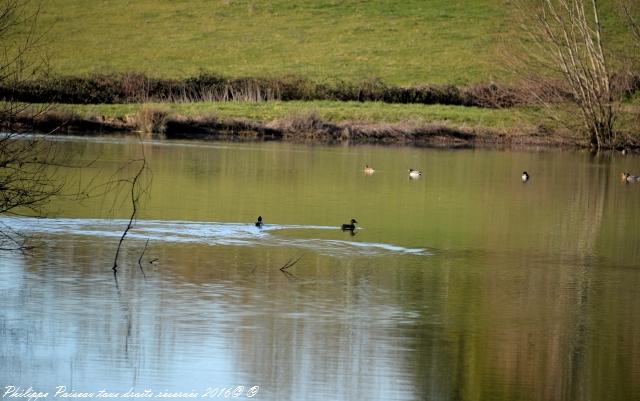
x=32 y=166
x=29 y=164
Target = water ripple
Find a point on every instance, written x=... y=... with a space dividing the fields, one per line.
x=210 y=233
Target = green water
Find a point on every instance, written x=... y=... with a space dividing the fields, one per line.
x=465 y=284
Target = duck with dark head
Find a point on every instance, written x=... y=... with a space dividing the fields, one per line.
x=627 y=177
x=349 y=227
x=259 y=222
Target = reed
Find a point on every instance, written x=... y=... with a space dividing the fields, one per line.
x=138 y=88
x=150 y=120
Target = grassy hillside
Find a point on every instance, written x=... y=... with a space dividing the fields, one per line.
x=400 y=41
x=342 y=42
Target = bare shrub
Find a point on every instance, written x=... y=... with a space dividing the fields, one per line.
x=565 y=49
x=134 y=87
x=150 y=120
x=309 y=121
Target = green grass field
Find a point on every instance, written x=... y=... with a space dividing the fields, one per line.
x=399 y=41
x=511 y=121
x=402 y=42
x=367 y=112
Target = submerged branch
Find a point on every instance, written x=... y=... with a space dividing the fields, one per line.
x=140 y=258
x=135 y=194
x=290 y=264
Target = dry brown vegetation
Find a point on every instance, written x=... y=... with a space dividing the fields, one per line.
x=137 y=88
x=300 y=127
x=567 y=54
x=150 y=120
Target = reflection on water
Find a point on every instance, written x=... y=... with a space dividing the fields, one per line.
x=464 y=285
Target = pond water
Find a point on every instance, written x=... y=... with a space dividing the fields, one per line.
x=465 y=284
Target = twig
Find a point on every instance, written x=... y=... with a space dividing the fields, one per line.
x=115 y=279
x=289 y=276
x=289 y=264
x=135 y=198
x=140 y=258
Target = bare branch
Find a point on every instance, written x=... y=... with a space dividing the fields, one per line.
x=140 y=258
x=567 y=48
x=289 y=264
x=32 y=166
x=136 y=192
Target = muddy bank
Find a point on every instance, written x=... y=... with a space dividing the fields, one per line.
x=307 y=129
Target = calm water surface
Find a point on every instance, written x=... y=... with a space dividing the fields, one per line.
x=465 y=284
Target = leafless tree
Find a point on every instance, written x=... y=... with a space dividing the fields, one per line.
x=566 y=53
x=20 y=53
x=29 y=164
x=32 y=166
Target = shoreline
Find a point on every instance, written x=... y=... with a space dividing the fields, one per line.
x=302 y=129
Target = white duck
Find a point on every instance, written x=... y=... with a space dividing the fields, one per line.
x=413 y=174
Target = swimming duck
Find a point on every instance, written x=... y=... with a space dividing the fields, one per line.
x=414 y=173
x=626 y=177
x=349 y=227
x=259 y=222
x=525 y=176
x=368 y=170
